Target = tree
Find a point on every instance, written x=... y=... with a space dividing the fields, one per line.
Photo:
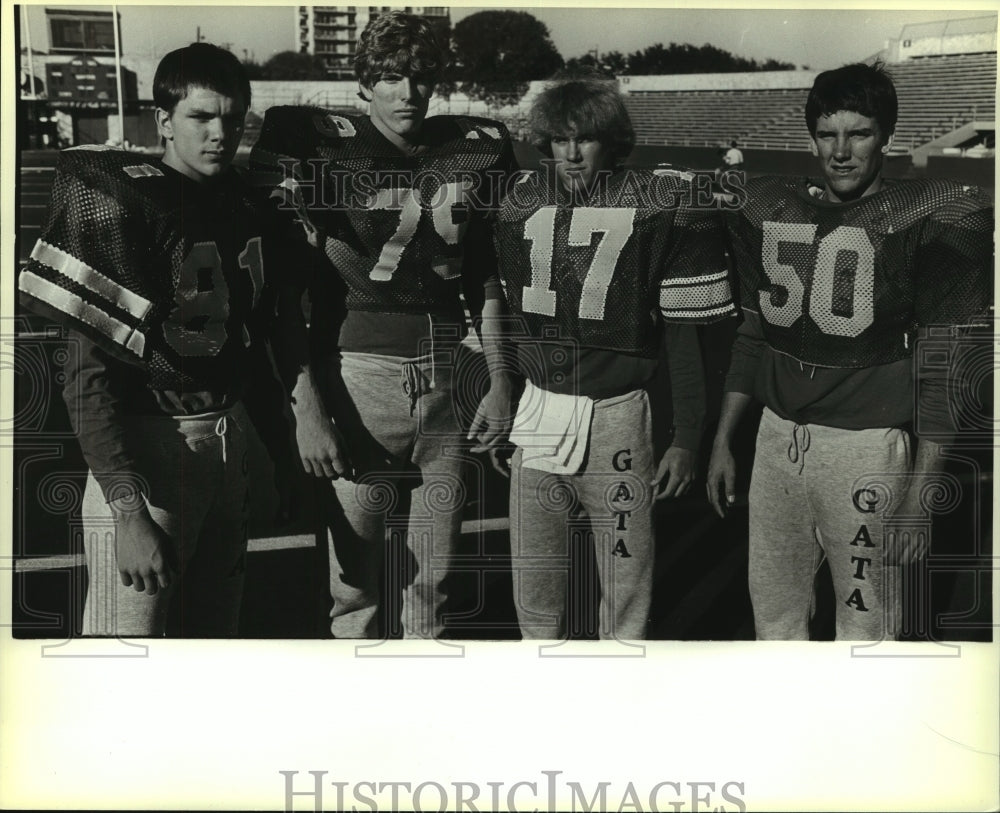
x=498 y=52
x=294 y=65
x=254 y=69
x=611 y=64
x=686 y=58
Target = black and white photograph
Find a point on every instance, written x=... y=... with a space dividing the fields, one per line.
x=499 y=408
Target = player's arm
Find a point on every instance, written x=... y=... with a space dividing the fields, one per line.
x=953 y=276
x=95 y=384
x=495 y=413
x=696 y=289
x=322 y=449
x=928 y=463
x=737 y=397
x=103 y=369
x=277 y=163
x=678 y=465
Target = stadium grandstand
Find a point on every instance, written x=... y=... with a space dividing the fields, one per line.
x=938 y=95
x=945 y=75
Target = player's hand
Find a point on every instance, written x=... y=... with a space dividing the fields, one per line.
x=906 y=546
x=494 y=416
x=322 y=448
x=721 y=479
x=677 y=467
x=500 y=456
x=145 y=554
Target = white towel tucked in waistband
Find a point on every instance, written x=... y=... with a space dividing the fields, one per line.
x=553 y=430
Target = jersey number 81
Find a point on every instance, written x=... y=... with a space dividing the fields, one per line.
x=197 y=324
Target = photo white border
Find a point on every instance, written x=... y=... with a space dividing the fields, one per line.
x=209 y=724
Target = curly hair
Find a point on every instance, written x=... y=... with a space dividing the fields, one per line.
x=397 y=42
x=201 y=65
x=582 y=106
x=860 y=88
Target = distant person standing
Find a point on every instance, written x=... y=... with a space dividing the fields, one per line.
x=733 y=158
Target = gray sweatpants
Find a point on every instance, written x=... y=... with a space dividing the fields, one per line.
x=407 y=452
x=195 y=473
x=817 y=492
x=613 y=490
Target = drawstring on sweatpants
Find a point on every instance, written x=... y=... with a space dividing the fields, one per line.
x=220 y=430
x=411 y=377
x=799 y=446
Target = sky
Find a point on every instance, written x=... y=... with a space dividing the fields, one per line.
x=819 y=38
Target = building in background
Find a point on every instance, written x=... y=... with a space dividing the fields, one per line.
x=331 y=32
x=77 y=101
x=73 y=31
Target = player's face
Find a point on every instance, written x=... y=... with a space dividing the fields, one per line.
x=578 y=160
x=202 y=132
x=399 y=105
x=850 y=148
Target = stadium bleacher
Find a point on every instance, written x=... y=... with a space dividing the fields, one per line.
x=937 y=94
x=707 y=118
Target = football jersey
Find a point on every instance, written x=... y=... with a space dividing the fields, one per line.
x=400 y=230
x=606 y=274
x=157 y=269
x=847 y=284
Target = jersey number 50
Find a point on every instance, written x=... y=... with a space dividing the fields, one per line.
x=845 y=264
x=615 y=226
x=197 y=324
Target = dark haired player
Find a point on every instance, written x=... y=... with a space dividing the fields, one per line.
x=607 y=272
x=157 y=269
x=838 y=281
x=397 y=205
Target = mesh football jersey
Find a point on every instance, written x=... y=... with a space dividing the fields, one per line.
x=847 y=284
x=159 y=270
x=400 y=230
x=607 y=273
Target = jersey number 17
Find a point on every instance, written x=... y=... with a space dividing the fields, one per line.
x=615 y=227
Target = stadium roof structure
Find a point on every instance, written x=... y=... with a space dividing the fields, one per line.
x=950 y=28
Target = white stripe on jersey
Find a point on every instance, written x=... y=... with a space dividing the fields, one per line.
x=681 y=281
x=706 y=299
x=81 y=273
x=142 y=171
x=698 y=314
x=75 y=307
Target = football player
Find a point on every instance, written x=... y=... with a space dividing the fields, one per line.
x=156 y=267
x=607 y=271
x=398 y=206
x=838 y=281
